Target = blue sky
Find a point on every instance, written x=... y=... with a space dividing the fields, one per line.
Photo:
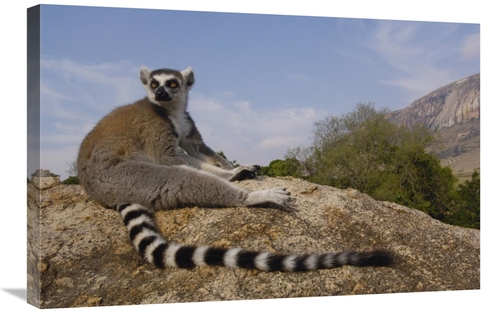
x=261 y=80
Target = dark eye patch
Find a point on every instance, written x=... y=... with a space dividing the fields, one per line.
x=154 y=83
x=172 y=83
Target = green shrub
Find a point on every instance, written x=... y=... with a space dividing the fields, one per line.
x=287 y=167
x=71 y=180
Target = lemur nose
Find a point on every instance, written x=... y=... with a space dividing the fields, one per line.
x=160 y=91
x=162 y=95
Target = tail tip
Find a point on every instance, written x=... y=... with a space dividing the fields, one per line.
x=376 y=258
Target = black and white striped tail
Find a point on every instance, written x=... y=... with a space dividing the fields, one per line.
x=156 y=250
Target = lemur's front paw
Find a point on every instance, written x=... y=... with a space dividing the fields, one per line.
x=247 y=171
x=275 y=198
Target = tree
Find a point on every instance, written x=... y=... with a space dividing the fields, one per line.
x=365 y=151
x=422 y=183
x=73 y=174
x=287 y=167
x=468 y=204
x=73 y=168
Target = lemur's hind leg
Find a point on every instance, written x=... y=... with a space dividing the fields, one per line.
x=160 y=187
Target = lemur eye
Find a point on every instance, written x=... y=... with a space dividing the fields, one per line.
x=154 y=85
x=173 y=85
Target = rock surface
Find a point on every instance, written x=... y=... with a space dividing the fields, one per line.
x=79 y=253
x=44 y=179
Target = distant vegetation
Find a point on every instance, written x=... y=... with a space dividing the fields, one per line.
x=71 y=180
x=363 y=150
x=288 y=167
x=73 y=174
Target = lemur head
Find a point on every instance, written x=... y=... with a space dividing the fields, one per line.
x=165 y=86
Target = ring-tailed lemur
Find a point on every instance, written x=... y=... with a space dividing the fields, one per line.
x=130 y=162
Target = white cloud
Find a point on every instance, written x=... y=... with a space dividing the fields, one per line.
x=205 y=103
x=63 y=133
x=421 y=81
x=74 y=96
x=100 y=86
x=282 y=141
x=470 y=47
x=249 y=135
x=394 y=42
x=243 y=106
x=47 y=91
x=421 y=56
x=415 y=60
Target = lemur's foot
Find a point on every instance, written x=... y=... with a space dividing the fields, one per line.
x=247 y=171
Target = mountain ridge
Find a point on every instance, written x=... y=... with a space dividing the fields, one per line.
x=452 y=104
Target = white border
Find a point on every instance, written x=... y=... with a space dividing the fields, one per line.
x=13 y=233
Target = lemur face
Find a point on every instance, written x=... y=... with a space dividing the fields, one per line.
x=165 y=85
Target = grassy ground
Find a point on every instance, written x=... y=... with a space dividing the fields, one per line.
x=464 y=165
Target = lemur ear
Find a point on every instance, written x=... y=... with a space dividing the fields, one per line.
x=144 y=75
x=188 y=76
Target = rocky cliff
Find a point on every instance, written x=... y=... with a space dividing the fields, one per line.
x=79 y=253
x=453 y=104
x=454 y=112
